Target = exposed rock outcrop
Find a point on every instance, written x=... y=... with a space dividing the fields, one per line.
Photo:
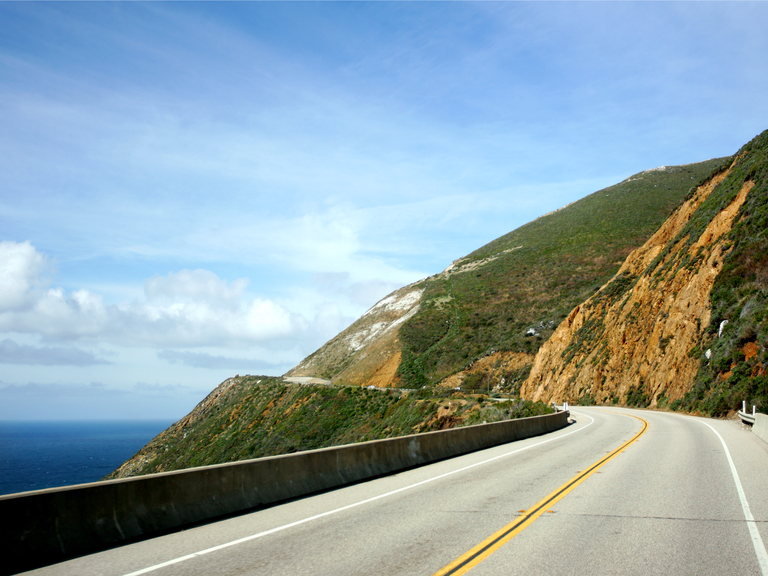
x=368 y=352
x=634 y=338
x=500 y=371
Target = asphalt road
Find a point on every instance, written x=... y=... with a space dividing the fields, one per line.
x=664 y=501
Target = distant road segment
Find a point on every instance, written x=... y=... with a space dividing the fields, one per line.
x=618 y=492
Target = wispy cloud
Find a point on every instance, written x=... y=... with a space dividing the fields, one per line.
x=213 y=362
x=14 y=353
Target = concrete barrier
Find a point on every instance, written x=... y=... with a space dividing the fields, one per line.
x=47 y=526
x=760 y=427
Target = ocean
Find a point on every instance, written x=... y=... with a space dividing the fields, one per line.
x=37 y=455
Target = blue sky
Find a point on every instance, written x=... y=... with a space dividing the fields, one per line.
x=194 y=190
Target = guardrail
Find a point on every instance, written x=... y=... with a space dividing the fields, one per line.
x=758 y=421
x=48 y=526
x=745 y=416
x=561 y=408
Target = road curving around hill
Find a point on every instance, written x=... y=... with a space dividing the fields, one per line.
x=618 y=492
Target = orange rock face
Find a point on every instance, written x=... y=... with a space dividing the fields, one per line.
x=494 y=367
x=638 y=335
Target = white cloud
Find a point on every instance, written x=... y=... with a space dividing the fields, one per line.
x=195 y=285
x=187 y=308
x=21 y=271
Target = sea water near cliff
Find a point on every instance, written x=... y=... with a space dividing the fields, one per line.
x=37 y=455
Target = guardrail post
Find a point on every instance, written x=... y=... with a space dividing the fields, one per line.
x=753 y=410
x=744 y=406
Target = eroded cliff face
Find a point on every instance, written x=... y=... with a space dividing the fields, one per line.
x=368 y=352
x=634 y=337
x=500 y=371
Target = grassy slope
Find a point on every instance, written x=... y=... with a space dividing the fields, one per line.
x=533 y=276
x=263 y=416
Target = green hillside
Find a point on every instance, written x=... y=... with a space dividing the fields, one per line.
x=510 y=294
x=254 y=416
x=507 y=296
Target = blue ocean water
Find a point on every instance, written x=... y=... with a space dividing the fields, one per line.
x=36 y=455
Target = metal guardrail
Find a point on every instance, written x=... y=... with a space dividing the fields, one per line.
x=745 y=416
x=756 y=421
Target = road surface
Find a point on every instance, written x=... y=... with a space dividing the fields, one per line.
x=619 y=491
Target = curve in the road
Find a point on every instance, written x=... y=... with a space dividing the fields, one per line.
x=487 y=547
x=669 y=505
x=186 y=557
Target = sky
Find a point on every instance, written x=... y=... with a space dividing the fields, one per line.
x=190 y=191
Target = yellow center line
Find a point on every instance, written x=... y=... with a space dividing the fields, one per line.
x=488 y=546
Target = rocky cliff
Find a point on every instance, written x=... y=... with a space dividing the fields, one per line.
x=647 y=336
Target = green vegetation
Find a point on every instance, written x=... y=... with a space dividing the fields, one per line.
x=534 y=276
x=509 y=410
x=263 y=416
x=736 y=369
x=587 y=400
x=637 y=397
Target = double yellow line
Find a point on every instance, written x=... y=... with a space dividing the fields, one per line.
x=488 y=546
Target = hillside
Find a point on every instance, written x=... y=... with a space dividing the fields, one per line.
x=489 y=312
x=253 y=416
x=684 y=322
x=426 y=356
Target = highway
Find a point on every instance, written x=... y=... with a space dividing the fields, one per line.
x=619 y=491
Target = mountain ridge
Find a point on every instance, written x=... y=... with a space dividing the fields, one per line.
x=501 y=319
x=435 y=323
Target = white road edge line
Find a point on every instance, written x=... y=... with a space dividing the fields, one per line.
x=347 y=507
x=757 y=541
